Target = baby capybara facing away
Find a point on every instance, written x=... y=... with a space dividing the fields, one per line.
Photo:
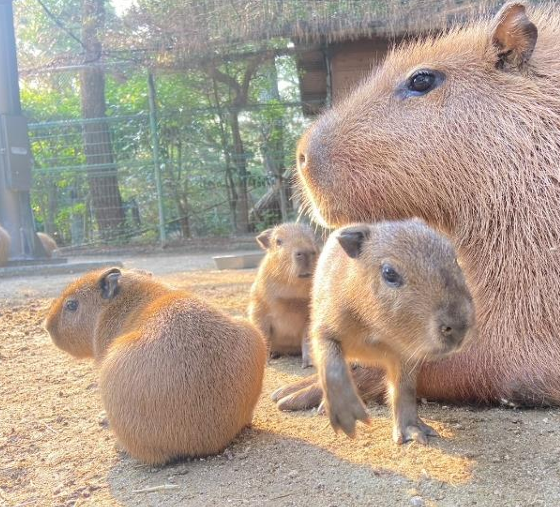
x=49 y=244
x=463 y=131
x=178 y=377
x=389 y=295
x=4 y=246
x=280 y=295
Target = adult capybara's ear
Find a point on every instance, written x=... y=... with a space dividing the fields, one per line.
x=514 y=36
x=109 y=283
x=352 y=238
x=263 y=239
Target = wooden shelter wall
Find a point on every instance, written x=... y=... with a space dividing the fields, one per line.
x=352 y=61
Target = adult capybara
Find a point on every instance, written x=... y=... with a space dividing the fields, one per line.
x=389 y=295
x=49 y=244
x=178 y=377
x=280 y=295
x=462 y=130
x=5 y=243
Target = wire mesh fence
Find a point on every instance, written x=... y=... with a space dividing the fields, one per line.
x=180 y=120
x=144 y=178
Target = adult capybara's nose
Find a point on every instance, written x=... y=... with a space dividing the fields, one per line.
x=311 y=153
x=302 y=154
x=316 y=150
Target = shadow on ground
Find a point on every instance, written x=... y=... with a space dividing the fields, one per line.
x=56 y=450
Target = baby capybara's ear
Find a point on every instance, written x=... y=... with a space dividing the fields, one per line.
x=263 y=239
x=109 y=283
x=352 y=238
x=514 y=36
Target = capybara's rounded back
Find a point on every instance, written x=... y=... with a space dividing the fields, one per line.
x=463 y=130
x=178 y=377
x=4 y=246
x=49 y=244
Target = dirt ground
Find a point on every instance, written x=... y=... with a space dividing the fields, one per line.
x=55 y=447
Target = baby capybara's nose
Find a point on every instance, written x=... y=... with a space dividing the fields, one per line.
x=454 y=320
x=302 y=258
x=305 y=262
x=453 y=333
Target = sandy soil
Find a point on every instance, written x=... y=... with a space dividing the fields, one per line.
x=56 y=449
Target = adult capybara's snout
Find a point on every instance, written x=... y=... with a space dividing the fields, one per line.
x=313 y=153
x=329 y=159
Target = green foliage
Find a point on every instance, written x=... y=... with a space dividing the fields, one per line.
x=194 y=135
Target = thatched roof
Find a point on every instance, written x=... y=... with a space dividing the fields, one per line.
x=200 y=27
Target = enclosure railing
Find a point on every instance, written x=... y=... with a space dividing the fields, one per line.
x=144 y=178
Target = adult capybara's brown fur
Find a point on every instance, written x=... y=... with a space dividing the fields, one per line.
x=49 y=244
x=463 y=130
x=389 y=294
x=5 y=243
x=178 y=377
x=280 y=295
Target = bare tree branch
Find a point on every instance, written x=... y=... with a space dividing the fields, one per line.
x=241 y=90
x=226 y=79
x=252 y=66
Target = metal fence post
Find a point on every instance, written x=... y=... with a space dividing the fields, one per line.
x=16 y=214
x=155 y=152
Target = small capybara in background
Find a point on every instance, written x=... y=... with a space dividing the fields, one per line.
x=389 y=295
x=5 y=243
x=463 y=131
x=49 y=244
x=179 y=378
x=280 y=295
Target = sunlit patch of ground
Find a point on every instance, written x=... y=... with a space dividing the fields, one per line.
x=55 y=448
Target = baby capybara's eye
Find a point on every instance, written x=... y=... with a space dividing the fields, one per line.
x=279 y=242
x=71 y=305
x=391 y=277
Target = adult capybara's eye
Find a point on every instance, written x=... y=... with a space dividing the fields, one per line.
x=419 y=83
x=71 y=305
x=279 y=242
x=391 y=277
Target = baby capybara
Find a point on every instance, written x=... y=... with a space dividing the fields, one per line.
x=463 y=131
x=389 y=295
x=4 y=246
x=49 y=244
x=280 y=295
x=178 y=377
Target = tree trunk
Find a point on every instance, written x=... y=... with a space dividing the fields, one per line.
x=103 y=184
x=179 y=188
x=183 y=203
x=242 y=211
x=52 y=209
x=274 y=141
x=240 y=90
x=230 y=185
